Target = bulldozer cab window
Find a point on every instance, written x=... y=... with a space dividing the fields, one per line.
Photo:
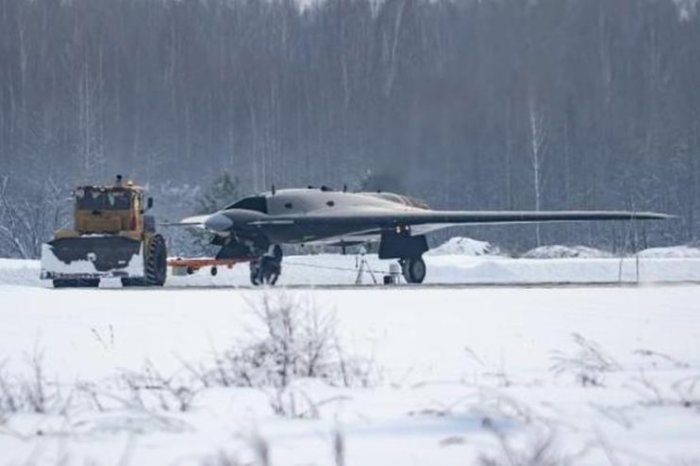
x=103 y=200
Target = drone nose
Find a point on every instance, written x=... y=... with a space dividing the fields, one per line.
x=218 y=222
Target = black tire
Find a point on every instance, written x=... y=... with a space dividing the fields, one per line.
x=256 y=272
x=260 y=272
x=156 y=262
x=155 y=267
x=413 y=269
x=277 y=253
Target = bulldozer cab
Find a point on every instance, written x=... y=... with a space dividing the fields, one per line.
x=108 y=209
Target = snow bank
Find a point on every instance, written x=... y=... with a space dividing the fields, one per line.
x=670 y=252
x=565 y=252
x=463 y=246
x=585 y=252
x=19 y=272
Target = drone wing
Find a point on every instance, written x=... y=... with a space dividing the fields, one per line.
x=389 y=219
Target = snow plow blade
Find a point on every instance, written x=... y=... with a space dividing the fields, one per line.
x=92 y=257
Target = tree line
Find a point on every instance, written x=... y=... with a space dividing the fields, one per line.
x=496 y=104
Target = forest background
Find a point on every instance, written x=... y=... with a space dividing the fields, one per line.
x=467 y=104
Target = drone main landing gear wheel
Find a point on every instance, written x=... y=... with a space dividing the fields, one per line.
x=413 y=269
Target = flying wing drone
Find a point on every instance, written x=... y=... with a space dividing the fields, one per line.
x=255 y=227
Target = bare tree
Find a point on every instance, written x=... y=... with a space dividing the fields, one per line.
x=28 y=221
x=600 y=98
x=538 y=141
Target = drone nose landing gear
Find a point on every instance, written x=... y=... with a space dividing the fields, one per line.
x=266 y=269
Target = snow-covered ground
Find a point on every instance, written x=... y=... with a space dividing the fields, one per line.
x=459 y=261
x=436 y=376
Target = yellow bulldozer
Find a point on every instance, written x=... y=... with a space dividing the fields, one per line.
x=112 y=237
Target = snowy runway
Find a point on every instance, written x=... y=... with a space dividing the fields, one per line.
x=595 y=375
